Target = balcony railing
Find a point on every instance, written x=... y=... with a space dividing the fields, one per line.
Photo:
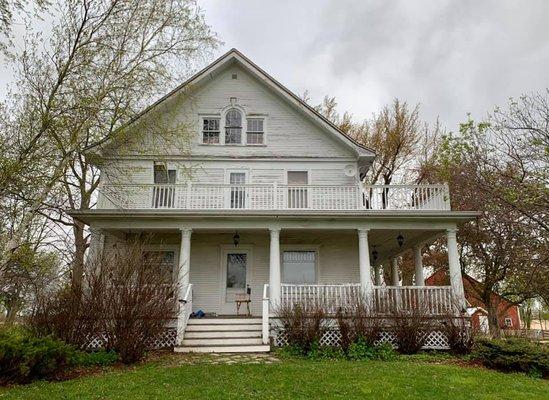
x=192 y=196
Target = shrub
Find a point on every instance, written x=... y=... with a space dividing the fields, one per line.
x=513 y=354
x=362 y=350
x=24 y=357
x=126 y=299
x=460 y=334
x=304 y=324
x=357 y=322
x=101 y=358
x=411 y=327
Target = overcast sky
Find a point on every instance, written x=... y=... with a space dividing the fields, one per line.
x=452 y=56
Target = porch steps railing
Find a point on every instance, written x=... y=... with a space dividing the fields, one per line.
x=193 y=196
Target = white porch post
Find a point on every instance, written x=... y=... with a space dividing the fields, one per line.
x=183 y=273
x=418 y=258
x=456 y=280
x=364 y=263
x=378 y=271
x=274 y=267
x=394 y=271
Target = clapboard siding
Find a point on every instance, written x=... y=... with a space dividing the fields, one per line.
x=337 y=262
x=331 y=176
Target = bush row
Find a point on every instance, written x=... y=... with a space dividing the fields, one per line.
x=513 y=355
x=305 y=324
x=24 y=357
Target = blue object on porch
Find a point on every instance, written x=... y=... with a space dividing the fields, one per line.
x=198 y=314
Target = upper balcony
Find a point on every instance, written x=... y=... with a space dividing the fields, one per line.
x=271 y=197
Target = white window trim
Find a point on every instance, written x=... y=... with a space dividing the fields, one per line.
x=264 y=119
x=201 y=119
x=301 y=247
x=244 y=135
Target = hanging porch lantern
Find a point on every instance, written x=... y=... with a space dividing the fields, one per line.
x=400 y=239
x=236 y=239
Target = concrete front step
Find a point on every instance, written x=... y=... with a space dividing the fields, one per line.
x=239 y=341
x=224 y=349
x=221 y=334
x=223 y=327
x=223 y=321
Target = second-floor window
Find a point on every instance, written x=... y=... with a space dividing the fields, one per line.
x=233 y=127
x=210 y=130
x=254 y=131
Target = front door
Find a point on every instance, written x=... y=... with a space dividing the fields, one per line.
x=236 y=273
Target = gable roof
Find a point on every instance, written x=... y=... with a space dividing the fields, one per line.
x=235 y=56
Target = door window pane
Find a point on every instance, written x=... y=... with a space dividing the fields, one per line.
x=299 y=267
x=236 y=270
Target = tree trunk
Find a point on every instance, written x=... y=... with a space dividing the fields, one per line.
x=492 y=309
x=80 y=246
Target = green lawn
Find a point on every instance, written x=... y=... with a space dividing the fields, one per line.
x=291 y=379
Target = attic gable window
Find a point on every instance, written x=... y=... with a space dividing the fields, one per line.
x=210 y=130
x=233 y=127
x=255 y=131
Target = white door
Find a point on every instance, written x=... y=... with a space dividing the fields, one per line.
x=237 y=190
x=236 y=273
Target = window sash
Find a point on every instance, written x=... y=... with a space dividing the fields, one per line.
x=255 y=131
x=210 y=130
x=299 y=267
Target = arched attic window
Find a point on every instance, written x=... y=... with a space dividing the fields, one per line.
x=233 y=127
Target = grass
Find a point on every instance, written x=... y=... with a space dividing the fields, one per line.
x=291 y=379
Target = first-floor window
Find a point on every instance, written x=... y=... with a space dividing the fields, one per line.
x=299 y=267
x=508 y=322
x=165 y=260
x=210 y=130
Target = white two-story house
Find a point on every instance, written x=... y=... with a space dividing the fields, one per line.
x=262 y=195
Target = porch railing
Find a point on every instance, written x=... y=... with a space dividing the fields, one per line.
x=432 y=300
x=193 y=196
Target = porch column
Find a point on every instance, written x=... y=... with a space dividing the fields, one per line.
x=183 y=273
x=394 y=271
x=378 y=271
x=184 y=259
x=456 y=280
x=418 y=258
x=274 y=267
x=364 y=262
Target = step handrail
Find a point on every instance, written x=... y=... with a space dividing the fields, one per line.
x=265 y=315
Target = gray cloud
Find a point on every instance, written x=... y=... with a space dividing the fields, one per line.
x=451 y=56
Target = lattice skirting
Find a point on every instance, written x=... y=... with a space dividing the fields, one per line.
x=435 y=341
x=165 y=340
